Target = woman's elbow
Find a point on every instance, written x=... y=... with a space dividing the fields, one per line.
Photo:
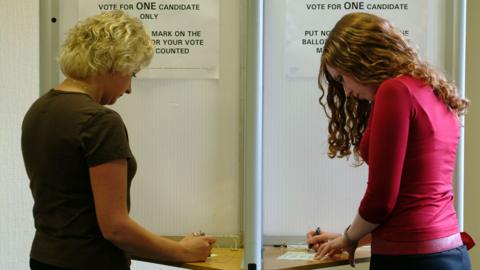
x=114 y=231
x=376 y=213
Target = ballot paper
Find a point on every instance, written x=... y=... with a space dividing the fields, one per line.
x=297 y=256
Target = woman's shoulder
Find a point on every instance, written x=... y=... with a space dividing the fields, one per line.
x=81 y=103
x=405 y=81
x=402 y=84
x=81 y=108
x=399 y=85
x=102 y=115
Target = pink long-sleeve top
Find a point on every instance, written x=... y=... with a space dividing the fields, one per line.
x=410 y=147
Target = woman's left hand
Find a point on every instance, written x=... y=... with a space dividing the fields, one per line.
x=336 y=246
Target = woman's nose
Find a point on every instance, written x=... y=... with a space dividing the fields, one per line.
x=129 y=90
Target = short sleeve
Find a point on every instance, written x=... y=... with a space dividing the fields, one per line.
x=104 y=138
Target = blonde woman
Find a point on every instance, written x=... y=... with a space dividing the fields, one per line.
x=79 y=162
x=389 y=108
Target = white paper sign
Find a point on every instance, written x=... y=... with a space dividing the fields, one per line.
x=309 y=23
x=185 y=34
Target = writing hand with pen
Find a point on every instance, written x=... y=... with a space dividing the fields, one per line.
x=318 y=237
x=197 y=246
x=327 y=244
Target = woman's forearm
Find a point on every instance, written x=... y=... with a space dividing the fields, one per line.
x=360 y=228
x=136 y=240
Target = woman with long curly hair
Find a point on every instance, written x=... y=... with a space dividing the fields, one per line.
x=390 y=109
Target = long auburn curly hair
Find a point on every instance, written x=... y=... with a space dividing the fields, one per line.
x=370 y=49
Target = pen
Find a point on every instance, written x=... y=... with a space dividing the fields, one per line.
x=200 y=233
x=317 y=232
x=283 y=244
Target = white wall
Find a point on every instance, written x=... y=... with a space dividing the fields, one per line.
x=19 y=80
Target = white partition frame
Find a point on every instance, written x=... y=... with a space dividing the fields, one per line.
x=254 y=137
x=460 y=50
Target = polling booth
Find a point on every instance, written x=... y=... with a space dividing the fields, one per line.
x=225 y=122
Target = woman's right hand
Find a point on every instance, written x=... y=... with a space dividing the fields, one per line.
x=197 y=248
x=315 y=240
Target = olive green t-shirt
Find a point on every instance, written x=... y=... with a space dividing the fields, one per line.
x=63 y=134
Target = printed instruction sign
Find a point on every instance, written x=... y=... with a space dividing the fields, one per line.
x=309 y=24
x=185 y=34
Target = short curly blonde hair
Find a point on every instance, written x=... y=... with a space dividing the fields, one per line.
x=108 y=42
